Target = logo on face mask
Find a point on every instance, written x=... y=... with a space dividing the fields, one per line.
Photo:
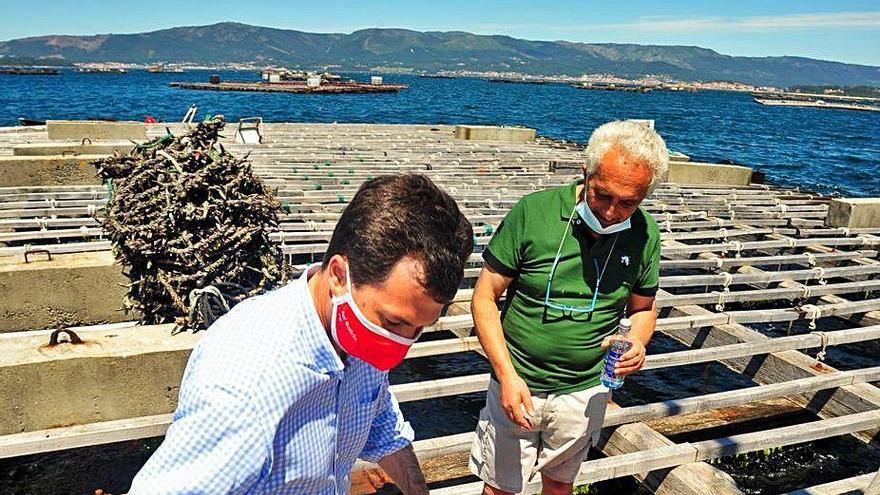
x=362 y=338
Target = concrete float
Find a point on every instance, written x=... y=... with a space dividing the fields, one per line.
x=73 y=148
x=77 y=130
x=854 y=213
x=114 y=373
x=494 y=133
x=18 y=171
x=708 y=173
x=76 y=288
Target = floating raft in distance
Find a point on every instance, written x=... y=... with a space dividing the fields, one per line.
x=293 y=87
x=28 y=71
x=816 y=104
x=631 y=88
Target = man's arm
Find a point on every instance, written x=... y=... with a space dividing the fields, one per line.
x=404 y=469
x=216 y=444
x=390 y=446
x=487 y=323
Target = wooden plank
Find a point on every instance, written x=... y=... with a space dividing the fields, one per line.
x=719 y=400
x=788 y=435
x=854 y=485
x=778 y=344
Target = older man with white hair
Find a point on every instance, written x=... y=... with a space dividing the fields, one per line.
x=573 y=260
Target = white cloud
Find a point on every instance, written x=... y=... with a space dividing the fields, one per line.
x=788 y=21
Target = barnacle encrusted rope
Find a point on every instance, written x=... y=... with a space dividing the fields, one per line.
x=190 y=223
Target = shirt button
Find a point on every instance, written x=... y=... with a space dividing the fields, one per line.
x=577 y=222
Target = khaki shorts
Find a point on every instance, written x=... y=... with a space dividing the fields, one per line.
x=564 y=427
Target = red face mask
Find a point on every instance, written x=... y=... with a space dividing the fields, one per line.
x=363 y=339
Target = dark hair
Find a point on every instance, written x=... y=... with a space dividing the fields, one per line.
x=393 y=216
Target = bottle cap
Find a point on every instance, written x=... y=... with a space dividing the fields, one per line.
x=624 y=322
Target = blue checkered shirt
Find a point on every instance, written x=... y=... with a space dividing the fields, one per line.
x=267 y=406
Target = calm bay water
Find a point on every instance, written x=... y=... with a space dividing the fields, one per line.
x=831 y=151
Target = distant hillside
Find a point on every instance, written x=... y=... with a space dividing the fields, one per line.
x=233 y=42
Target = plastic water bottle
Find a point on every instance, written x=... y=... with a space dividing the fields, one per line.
x=617 y=349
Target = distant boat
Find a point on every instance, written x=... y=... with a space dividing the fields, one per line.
x=24 y=121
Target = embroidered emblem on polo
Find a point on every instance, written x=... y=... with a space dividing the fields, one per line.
x=624 y=259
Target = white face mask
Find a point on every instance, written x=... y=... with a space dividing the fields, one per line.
x=593 y=222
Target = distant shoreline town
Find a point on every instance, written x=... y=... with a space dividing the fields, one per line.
x=601 y=81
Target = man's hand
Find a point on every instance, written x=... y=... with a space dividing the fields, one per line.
x=404 y=469
x=632 y=360
x=514 y=395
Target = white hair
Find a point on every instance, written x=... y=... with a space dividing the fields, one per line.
x=636 y=141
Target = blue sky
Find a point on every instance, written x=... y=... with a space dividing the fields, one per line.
x=847 y=31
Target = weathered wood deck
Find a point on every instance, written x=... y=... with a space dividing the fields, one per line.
x=722 y=246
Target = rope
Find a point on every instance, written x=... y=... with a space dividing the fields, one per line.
x=820 y=275
x=728 y=278
x=85 y=232
x=783 y=209
x=807 y=291
x=209 y=302
x=820 y=356
x=811 y=312
x=845 y=231
x=811 y=259
x=44 y=223
x=91 y=210
x=737 y=246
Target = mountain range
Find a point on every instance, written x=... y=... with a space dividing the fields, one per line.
x=230 y=42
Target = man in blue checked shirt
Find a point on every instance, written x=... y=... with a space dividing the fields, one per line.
x=288 y=389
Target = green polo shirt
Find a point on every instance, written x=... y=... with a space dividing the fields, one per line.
x=558 y=351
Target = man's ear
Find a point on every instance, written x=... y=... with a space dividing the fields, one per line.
x=336 y=275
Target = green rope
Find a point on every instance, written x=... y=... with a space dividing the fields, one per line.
x=286 y=206
x=109 y=185
x=319 y=187
x=155 y=142
x=488 y=229
x=341 y=198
